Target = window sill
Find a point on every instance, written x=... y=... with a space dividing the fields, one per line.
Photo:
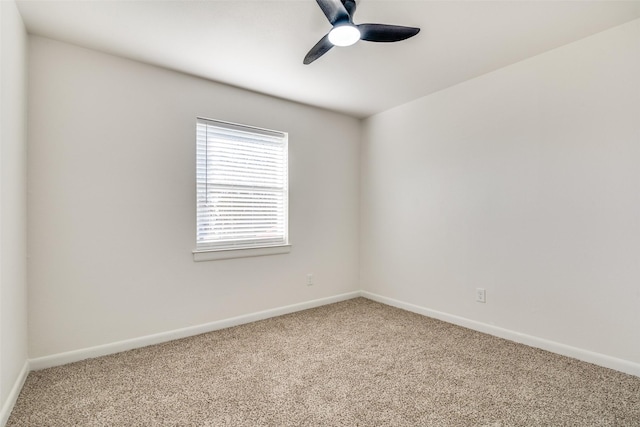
x=212 y=255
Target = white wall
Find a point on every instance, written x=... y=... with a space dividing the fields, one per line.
x=112 y=202
x=13 y=202
x=525 y=182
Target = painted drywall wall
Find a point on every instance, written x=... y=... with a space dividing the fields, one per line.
x=524 y=182
x=13 y=199
x=112 y=202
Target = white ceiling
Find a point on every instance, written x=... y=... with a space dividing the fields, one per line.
x=259 y=45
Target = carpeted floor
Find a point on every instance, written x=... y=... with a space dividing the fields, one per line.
x=354 y=363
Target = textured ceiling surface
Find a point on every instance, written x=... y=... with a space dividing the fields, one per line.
x=259 y=45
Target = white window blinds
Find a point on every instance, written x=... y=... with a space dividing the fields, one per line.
x=242 y=186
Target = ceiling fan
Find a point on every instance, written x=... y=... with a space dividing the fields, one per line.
x=345 y=32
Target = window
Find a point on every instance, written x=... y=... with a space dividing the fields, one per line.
x=242 y=190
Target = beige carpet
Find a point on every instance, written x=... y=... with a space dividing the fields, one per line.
x=355 y=363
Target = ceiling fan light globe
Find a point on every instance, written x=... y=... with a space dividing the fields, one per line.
x=344 y=35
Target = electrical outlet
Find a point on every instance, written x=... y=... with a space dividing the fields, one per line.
x=481 y=295
x=310 y=279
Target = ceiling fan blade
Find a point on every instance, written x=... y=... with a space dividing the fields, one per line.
x=318 y=50
x=350 y=6
x=334 y=10
x=386 y=33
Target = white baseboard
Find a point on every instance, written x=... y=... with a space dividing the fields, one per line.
x=621 y=365
x=7 y=407
x=116 y=347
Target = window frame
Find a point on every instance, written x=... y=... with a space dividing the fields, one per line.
x=202 y=252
